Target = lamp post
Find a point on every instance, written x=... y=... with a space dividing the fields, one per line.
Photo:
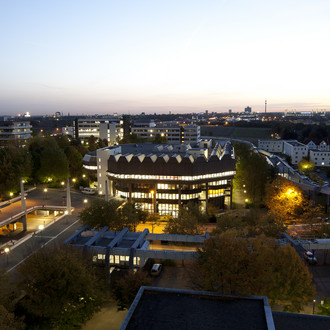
x=314 y=306
x=41 y=228
x=7 y=252
x=45 y=191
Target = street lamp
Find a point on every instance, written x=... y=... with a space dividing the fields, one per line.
x=85 y=201
x=41 y=228
x=7 y=252
x=11 y=194
x=45 y=191
x=314 y=306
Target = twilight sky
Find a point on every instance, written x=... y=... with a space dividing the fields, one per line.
x=105 y=56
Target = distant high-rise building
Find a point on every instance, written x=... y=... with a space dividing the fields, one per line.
x=248 y=110
x=206 y=112
x=230 y=111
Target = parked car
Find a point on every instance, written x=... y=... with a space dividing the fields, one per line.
x=156 y=269
x=310 y=258
x=88 y=191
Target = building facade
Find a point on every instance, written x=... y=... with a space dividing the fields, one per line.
x=14 y=132
x=173 y=132
x=295 y=150
x=271 y=145
x=105 y=128
x=162 y=177
x=320 y=158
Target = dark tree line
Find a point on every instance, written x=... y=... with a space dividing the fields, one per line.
x=44 y=159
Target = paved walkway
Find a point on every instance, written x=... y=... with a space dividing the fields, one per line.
x=107 y=319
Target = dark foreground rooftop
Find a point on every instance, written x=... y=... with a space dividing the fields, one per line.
x=158 y=308
x=284 y=321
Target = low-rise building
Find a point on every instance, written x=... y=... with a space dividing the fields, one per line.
x=295 y=150
x=319 y=157
x=271 y=145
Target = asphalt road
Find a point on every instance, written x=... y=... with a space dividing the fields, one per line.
x=54 y=234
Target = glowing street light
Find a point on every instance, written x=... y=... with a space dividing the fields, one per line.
x=7 y=252
x=11 y=194
x=73 y=180
x=62 y=183
x=41 y=228
x=314 y=306
x=45 y=191
x=85 y=201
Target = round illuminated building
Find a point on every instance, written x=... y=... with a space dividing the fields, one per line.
x=162 y=177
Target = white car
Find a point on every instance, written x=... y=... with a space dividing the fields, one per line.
x=310 y=258
x=88 y=191
x=156 y=269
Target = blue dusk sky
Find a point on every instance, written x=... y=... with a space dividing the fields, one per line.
x=103 y=56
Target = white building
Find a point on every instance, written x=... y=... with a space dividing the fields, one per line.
x=319 y=157
x=173 y=132
x=14 y=131
x=106 y=128
x=271 y=145
x=323 y=146
x=311 y=145
x=295 y=150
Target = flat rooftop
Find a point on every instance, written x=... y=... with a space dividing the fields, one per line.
x=159 y=308
x=295 y=143
x=285 y=321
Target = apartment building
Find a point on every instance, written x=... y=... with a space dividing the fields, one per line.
x=14 y=132
x=104 y=128
x=271 y=145
x=173 y=132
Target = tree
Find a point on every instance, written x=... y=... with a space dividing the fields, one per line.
x=49 y=161
x=100 y=214
x=75 y=161
x=127 y=287
x=130 y=216
x=8 y=320
x=254 y=223
x=159 y=139
x=53 y=164
x=305 y=166
x=62 y=290
x=325 y=308
x=231 y=264
x=189 y=221
x=111 y=214
x=282 y=199
x=252 y=173
x=287 y=203
x=15 y=162
x=132 y=138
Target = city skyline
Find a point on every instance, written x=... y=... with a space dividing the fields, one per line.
x=188 y=56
